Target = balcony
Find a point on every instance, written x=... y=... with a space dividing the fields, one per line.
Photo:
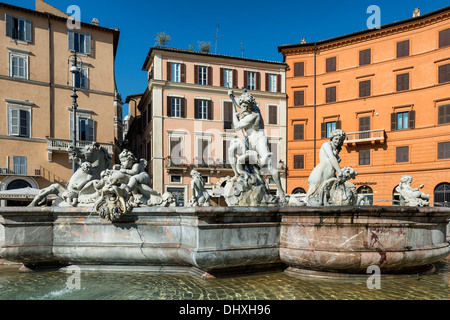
x=368 y=136
x=21 y=170
x=182 y=163
x=61 y=145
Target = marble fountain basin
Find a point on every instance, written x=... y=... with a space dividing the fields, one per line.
x=213 y=241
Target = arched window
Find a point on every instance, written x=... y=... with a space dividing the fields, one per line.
x=18 y=184
x=442 y=195
x=367 y=193
x=298 y=190
x=397 y=199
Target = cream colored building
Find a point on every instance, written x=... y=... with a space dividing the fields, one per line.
x=185 y=115
x=36 y=88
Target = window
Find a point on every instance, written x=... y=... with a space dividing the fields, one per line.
x=202 y=75
x=364 y=57
x=364 y=157
x=299 y=161
x=444 y=73
x=273 y=85
x=19 y=122
x=403 y=120
x=331 y=64
x=402 y=154
x=81 y=80
x=299 y=98
x=273 y=114
x=444 y=114
x=85 y=127
x=364 y=88
x=19 y=165
x=202 y=109
x=330 y=94
x=176 y=107
x=227 y=115
x=18 y=28
x=403 y=49
x=273 y=147
x=403 y=82
x=328 y=127
x=367 y=194
x=442 y=195
x=18 y=65
x=202 y=151
x=175 y=72
x=175 y=178
x=178 y=194
x=299 y=131
x=364 y=125
x=176 y=149
x=299 y=69
x=228 y=78
x=444 y=38
x=225 y=146
x=79 y=42
x=251 y=80
x=298 y=190
x=444 y=150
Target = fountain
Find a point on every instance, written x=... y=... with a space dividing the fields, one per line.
x=111 y=219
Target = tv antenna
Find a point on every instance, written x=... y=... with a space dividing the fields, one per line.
x=242 y=48
x=217 y=38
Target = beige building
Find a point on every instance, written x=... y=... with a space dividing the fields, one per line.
x=185 y=115
x=36 y=88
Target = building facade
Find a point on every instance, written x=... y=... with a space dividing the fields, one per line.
x=36 y=88
x=186 y=115
x=389 y=90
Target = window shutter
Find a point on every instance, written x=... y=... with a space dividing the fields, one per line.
x=444 y=38
x=444 y=73
x=169 y=71
x=169 y=106
x=28 y=30
x=235 y=78
x=210 y=76
x=196 y=108
x=267 y=82
x=227 y=111
x=393 y=121
x=403 y=82
x=339 y=124
x=14 y=122
x=299 y=132
x=323 y=130
x=183 y=72
x=411 y=119
x=23 y=123
x=278 y=82
x=183 y=108
x=71 y=126
x=196 y=74
x=364 y=57
x=210 y=110
x=245 y=79
x=9 y=26
x=87 y=43
x=330 y=64
x=330 y=94
x=298 y=161
x=403 y=49
x=299 y=98
x=71 y=36
x=91 y=130
x=258 y=80
x=299 y=69
x=222 y=82
x=273 y=114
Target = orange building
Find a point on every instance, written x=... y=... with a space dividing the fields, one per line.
x=389 y=90
x=36 y=88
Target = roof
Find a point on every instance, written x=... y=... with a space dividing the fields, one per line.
x=115 y=31
x=133 y=96
x=386 y=26
x=214 y=55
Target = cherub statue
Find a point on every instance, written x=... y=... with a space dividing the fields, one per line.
x=200 y=196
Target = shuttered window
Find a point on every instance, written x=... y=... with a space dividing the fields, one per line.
x=330 y=94
x=402 y=154
x=299 y=161
x=18 y=28
x=299 y=131
x=444 y=150
x=364 y=157
x=299 y=69
x=176 y=107
x=364 y=57
x=79 y=42
x=227 y=115
x=444 y=38
x=273 y=114
x=18 y=65
x=444 y=73
x=203 y=109
x=403 y=82
x=364 y=125
x=444 y=114
x=403 y=49
x=331 y=64
x=327 y=127
x=364 y=88
x=299 y=98
x=403 y=120
x=85 y=128
x=19 y=122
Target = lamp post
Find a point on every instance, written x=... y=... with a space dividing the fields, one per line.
x=74 y=70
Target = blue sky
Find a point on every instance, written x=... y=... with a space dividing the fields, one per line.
x=261 y=26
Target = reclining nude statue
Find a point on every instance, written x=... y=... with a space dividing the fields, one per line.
x=412 y=196
x=328 y=183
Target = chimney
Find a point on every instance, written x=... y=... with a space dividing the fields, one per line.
x=416 y=13
x=95 y=22
x=303 y=40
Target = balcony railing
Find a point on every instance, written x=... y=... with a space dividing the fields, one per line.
x=21 y=170
x=368 y=136
x=61 y=145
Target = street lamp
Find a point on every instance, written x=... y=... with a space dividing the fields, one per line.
x=74 y=70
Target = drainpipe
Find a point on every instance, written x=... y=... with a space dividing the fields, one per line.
x=315 y=134
x=50 y=80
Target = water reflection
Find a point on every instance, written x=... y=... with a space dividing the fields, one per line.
x=51 y=285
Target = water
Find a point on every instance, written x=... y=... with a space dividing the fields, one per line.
x=52 y=285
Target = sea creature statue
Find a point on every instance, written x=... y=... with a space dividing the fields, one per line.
x=200 y=196
x=251 y=159
x=328 y=183
x=92 y=159
x=411 y=196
